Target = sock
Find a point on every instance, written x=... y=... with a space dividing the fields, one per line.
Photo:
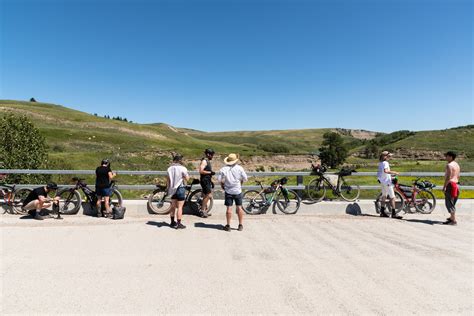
x=172 y=219
x=179 y=221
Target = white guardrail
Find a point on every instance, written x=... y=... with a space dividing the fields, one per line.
x=299 y=176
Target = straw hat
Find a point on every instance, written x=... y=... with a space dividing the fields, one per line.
x=232 y=159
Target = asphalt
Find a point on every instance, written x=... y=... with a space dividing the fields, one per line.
x=309 y=263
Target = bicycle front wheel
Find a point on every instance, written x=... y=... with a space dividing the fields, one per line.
x=348 y=191
x=69 y=201
x=17 y=201
x=316 y=190
x=252 y=202
x=159 y=203
x=116 y=198
x=425 y=202
x=196 y=199
x=288 y=201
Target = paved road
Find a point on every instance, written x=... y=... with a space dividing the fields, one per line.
x=306 y=263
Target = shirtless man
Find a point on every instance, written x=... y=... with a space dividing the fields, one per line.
x=450 y=188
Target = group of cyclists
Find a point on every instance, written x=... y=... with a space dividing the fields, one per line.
x=230 y=178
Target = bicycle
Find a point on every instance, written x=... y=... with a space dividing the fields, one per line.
x=258 y=202
x=11 y=198
x=160 y=203
x=411 y=199
x=317 y=187
x=70 y=199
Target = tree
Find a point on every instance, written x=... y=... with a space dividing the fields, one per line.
x=22 y=147
x=371 y=150
x=333 y=151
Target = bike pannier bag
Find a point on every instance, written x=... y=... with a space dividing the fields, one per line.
x=118 y=212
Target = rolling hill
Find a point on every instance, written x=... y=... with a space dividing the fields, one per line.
x=79 y=140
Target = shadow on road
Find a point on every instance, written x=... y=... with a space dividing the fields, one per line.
x=158 y=224
x=424 y=221
x=210 y=226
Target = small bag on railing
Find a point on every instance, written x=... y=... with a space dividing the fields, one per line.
x=118 y=212
x=345 y=172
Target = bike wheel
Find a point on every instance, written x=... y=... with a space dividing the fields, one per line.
x=288 y=202
x=425 y=202
x=69 y=201
x=5 y=198
x=196 y=198
x=252 y=202
x=116 y=198
x=159 y=203
x=316 y=190
x=17 y=201
x=399 y=203
x=349 y=192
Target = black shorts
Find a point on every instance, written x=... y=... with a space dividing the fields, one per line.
x=230 y=198
x=180 y=194
x=206 y=185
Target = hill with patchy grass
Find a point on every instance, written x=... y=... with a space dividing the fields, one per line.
x=78 y=140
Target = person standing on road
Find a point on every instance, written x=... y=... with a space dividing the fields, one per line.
x=38 y=199
x=451 y=188
x=176 y=178
x=205 y=170
x=384 y=175
x=231 y=178
x=104 y=176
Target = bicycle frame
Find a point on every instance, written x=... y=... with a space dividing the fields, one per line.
x=414 y=192
x=273 y=194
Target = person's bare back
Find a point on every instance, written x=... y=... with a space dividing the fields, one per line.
x=452 y=172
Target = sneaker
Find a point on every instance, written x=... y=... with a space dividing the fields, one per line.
x=173 y=224
x=241 y=228
x=383 y=214
x=38 y=217
x=180 y=226
x=227 y=228
x=395 y=216
x=32 y=213
x=450 y=222
x=203 y=214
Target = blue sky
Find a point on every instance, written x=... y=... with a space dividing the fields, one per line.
x=246 y=65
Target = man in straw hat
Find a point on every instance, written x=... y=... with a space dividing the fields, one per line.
x=384 y=175
x=231 y=178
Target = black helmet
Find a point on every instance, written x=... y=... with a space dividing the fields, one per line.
x=209 y=151
x=177 y=158
x=52 y=186
x=105 y=162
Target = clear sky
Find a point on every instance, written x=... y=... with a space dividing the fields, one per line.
x=246 y=65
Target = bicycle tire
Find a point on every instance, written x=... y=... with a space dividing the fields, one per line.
x=348 y=192
x=154 y=202
x=399 y=203
x=316 y=190
x=197 y=196
x=289 y=204
x=4 y=200
x=420 y=205
x=70 y=201
x=19 y=196
x=116 y=198
x=252 y=202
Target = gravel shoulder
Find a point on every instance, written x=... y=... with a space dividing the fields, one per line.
x=306 y=263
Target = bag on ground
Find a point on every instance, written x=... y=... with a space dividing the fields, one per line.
x=118 y=212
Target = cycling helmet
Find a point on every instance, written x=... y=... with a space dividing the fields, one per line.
x=177 y=158
x=52 y=186
x=105 y=162
x=209 y=151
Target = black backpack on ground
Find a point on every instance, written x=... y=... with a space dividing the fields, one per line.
x=118 y=212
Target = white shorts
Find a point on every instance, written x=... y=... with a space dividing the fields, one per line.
x=387 y=190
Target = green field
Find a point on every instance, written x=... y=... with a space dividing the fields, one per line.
x=78 y=140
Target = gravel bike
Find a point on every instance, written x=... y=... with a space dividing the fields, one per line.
x=160 y=203
x=317 y=187
x=258 y=202
x=410 y=199
x=11 y=198
x=70 y=199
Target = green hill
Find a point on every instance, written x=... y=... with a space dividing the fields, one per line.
x=79 y=140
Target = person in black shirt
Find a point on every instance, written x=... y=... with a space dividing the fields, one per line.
x=38 y=199
x=102 y=187
x=205 y=170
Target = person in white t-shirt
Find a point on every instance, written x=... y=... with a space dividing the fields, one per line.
x=384 y=175
x=231 y=178
x=176 y=181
